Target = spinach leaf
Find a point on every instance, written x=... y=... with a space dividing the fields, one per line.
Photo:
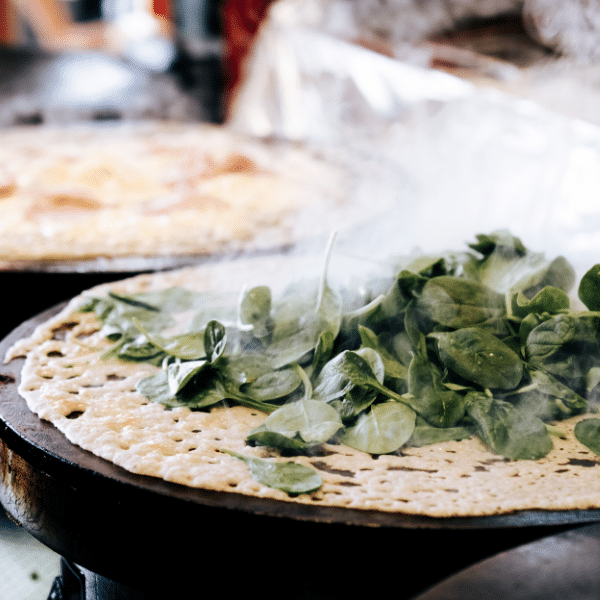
x=384 y=428
x=138 y=349
x=255 y=310
x=549 y=300
x=273 y=385
x=323 y=352
x=186 y=346
x=589 y=288
x=347 y=370
x=455 y=302
x=480 y=357
x=502 y=241
x=206 y=393
x=263 y=436
x=312 y=421
x=544 y=396
x=508 y=266
x=565 y=346
x=302 y=316
x=290 y=477
x=425 y=434
x=512 y=433
x=180 y=373
x=429 y=396
x=215 y=340
x=587 y=431
x=132 y=301
x=393 y=368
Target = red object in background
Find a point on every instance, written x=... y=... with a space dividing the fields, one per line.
x=241 y=20
x=8 y=22
x=162 y=8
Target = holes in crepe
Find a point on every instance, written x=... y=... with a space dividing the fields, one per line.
x=114 y=377
x=6 y=379
x=60 y=333
x=55 y=354
x=74 y=414
x=323 y=466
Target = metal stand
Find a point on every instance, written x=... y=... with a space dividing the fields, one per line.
x=77 y=583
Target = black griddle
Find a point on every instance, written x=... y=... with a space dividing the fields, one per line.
x=157 y=539
x=565 y=565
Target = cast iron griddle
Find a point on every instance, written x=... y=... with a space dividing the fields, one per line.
x=148 y=533
x=565 y=565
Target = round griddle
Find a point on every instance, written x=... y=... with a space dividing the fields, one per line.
x=565 y=565
x=166 y=538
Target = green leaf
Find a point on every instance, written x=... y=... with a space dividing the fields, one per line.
x=549 y=300
x=323 y=352
x=215 y=340
x=245 y=368
x=587 y=432
x=589 y=288
x=262 y=436
x=427 y=435
x=185 y=346
x=565 y=346
x=156 y=388
x=274 y=384
x=348 y=370
x=302 y=316
x=313 y=421
x=290 y=477
x=383 y=429
x=429 y=396
x=255 y=310
x=512 y=433
x=179 y=374
x=509 y=267
x=456 y=302
x=544 y=396
x=392 y=366
x=480 y=357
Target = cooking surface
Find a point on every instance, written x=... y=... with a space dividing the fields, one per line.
x=566 y=565
x=79 y=506
x=37 y=440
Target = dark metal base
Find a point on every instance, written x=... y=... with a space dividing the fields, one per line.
x=77 y=583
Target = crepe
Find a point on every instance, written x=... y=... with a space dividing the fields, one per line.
x=96 y=405
x=164 y=189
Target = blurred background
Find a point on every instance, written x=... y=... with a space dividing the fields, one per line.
x=182 y=59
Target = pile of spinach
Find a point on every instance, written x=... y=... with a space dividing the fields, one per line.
x=480 y=342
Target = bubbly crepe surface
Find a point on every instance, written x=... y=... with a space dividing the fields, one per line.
x=150 y=189
x=94 y=403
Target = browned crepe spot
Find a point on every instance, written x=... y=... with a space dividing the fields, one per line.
x=63 y=204
x=195 y=169
x=8 y=185
x=235 y=163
